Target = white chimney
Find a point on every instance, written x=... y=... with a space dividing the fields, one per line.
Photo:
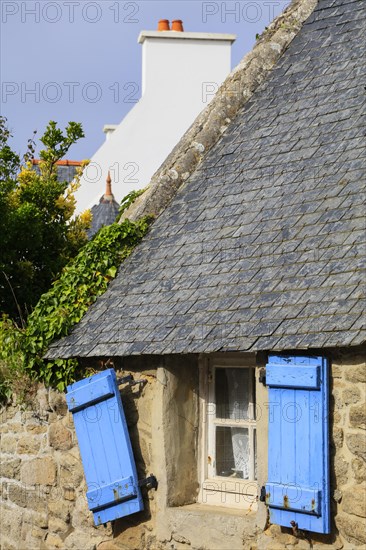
x=181 y=62
x=108 y=129
x=181 y=71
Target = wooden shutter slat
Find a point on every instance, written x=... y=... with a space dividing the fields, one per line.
x=298 y=455
x=289 y=377
x=112 y=493
x=297 y=498
x=91 y=393
x=105 y=447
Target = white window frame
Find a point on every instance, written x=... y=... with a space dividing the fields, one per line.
x=217 y=490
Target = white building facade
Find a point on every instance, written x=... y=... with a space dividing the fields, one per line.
x=181 y=71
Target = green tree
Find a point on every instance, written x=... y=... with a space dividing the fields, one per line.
x=38 y=234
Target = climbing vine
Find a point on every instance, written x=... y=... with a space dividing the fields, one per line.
x=59 y=309
x=127 y=201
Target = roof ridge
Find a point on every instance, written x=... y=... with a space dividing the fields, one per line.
x=212 y=122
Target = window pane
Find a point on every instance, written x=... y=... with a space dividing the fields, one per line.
x=232 y=391
x=232 y=452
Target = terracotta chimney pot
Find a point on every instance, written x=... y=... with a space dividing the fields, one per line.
x=177 y=25
x=163 y=25
x=108 y=189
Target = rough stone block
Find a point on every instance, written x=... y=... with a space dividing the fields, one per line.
x=337 y=399
x=280 y=535
x=39 y=471
x=68 y=421
x=56 y=525
x=357 y=445
x=359 y=469
x=40 y=520
x=338 y=383
x=108 y=545
x=53 y=541
x=340 y=470
x=69 y=494
x=28 y=444
x=8 y=443
x=71 y=471
x=59 y=509
x=7 y=544
x=132 y=537
x=59 y=437
x=37 y=533
x=10 y=468
x=351 y=395
x=3 y=490
x=57 y=402
x=336 y=544
x=273 y=545
x=17 y=494
x=337 y=437
x=34 y=428
x=356 y=374
x=27 y=537
x=52 y=417
x=354 y=501
x=27 y=497
x=78 y=540
x=15 y=427
x=337 y=371
x=11 y=520
x=82 y=518
x=357 y=416
x=352 y=529
x=42 y=401
x=337 y=417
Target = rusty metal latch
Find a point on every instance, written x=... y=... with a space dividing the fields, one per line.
x=262 y=496
x=149 y=482
x=262 y=376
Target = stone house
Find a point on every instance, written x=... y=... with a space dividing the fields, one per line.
x=106 y=211
x=241 y=314
x=66 y=169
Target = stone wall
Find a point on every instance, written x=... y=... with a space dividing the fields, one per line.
x=42 y=484
x=43 y=504
x=347 y=461
x=349 y=446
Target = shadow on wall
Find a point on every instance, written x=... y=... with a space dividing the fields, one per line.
x=129 y=395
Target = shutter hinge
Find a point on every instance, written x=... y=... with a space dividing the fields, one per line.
x=262 y=496
x=262 y=376
x=129 y=380
x=149 y=482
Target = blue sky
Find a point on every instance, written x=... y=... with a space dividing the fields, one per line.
x=80 y=60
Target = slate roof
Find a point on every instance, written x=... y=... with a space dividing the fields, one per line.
x=105 y=212
x=264 y=246
x=66 y=169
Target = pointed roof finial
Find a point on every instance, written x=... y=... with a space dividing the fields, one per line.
x=108 y=189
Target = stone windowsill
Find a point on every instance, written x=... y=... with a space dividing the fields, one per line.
x=204 y=509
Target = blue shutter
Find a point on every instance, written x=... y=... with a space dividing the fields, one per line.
x=105 y=447
x=298 y=462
